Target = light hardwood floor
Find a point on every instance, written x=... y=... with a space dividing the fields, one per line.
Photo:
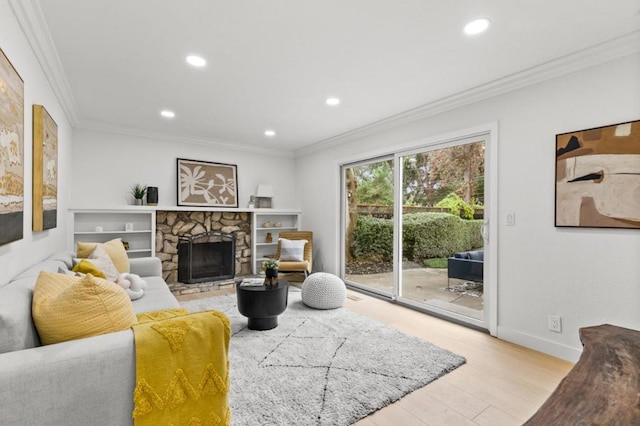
x=501 y=383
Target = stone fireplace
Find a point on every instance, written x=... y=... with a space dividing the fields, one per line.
x=206 y=257
x=171 y=225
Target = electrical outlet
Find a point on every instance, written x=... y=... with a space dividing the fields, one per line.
x=511 y=219
x=555 y=323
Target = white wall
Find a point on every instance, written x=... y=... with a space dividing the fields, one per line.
x=19 y=255
x=106 y=165
x=587 y=276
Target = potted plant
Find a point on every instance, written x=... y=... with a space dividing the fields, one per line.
x=270 y=268
x=138 y=191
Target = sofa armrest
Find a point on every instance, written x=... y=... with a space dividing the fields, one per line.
x=146 y=266
x=82 y=382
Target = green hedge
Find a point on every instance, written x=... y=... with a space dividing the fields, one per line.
x=425 y=236
x=373 y=239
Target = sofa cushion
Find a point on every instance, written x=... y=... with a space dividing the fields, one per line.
x=17 y=331
x=156 y=296
x=114 y=248
x=476 y=255
x=34 y=271
x=67 y=308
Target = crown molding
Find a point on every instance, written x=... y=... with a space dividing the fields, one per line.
x=210 y=143
x=31 y=19
x=29 y=15
x=582 y=59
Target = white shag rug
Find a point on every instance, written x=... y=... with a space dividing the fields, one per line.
x=321 y=367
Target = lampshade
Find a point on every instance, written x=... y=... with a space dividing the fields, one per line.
x=264 y=191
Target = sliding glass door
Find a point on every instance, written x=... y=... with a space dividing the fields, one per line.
x=415 y=227
x=442 y=222
x=369 y=211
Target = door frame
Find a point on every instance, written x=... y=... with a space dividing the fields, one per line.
x=489 y=131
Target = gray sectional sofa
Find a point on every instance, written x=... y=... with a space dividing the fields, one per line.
x=82 y=382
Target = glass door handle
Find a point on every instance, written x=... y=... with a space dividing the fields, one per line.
x=485 y=231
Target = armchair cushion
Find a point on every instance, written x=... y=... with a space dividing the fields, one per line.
x=292 y=250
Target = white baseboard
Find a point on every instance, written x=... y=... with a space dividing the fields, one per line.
x=559 y=350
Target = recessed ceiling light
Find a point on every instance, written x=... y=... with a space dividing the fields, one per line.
x=167 y=114
x=269 y=133
x=196 y=61
x=477 y=26
x=333 y=101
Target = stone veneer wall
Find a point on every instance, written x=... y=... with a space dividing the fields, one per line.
x=170 y=225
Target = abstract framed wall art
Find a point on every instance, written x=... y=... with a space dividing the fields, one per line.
x=598 y=177
x=45 y=170
x=201 y=183
x=11 y=152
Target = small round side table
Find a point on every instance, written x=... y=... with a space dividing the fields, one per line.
x=262 y=304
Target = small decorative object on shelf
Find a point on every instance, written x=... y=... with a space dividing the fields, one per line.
x=267 y=224
x=252 y=202
x=138 y=191
x=277 y=224
x=268 y=238
x=264 y=195
x=152 y=195
x=126 y=245
x=271 y=271
x=99 y=229
x=128 y=226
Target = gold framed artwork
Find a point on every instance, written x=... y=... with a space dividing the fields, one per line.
x=11 y=152
x=205 y=184
x=598 y=177
x=45 y=170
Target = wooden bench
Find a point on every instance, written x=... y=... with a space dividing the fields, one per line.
x=603 y=388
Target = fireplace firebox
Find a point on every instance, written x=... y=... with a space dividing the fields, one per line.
x=209 y=256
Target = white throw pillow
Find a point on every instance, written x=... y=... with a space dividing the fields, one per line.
x=100 y=258
x=292 y=250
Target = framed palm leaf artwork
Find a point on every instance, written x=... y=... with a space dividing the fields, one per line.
x=205 y=184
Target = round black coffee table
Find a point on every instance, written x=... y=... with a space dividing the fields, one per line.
x=262 y=304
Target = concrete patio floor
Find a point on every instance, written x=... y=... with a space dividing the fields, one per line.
x=428 y=286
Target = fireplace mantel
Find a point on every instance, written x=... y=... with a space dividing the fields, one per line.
x=252 y=246
x=126 y=207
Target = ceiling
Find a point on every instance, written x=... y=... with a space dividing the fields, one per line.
x=272 y=63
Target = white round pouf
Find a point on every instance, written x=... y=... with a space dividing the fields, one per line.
x=323 y=291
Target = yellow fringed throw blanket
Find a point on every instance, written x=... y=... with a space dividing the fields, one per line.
x=182 y=369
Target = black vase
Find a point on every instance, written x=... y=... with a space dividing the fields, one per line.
x=152 y=195
x=271 y=275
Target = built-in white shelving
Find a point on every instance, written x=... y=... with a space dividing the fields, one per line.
x=141 y=239
x=270 y=222
x=97 y=225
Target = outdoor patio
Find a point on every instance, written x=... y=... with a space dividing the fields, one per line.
x=429 y=286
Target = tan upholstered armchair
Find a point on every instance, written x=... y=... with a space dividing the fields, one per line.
x=303 y=266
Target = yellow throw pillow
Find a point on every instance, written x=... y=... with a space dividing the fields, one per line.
x=114 y=248
x=87 y=267
x=67 y=308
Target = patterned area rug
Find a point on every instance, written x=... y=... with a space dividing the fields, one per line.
x=321 y=367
